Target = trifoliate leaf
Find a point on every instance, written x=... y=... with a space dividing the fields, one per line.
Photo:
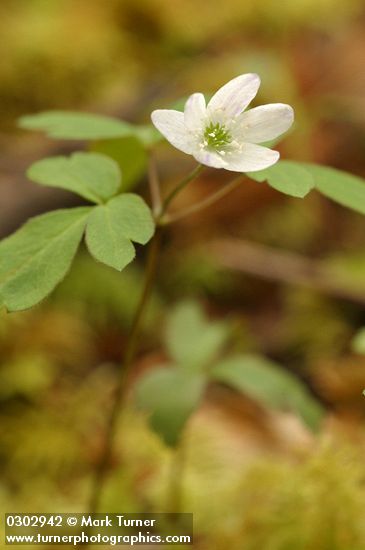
x=37 y=257
x=94 y=176
x=271 y=385
x=192 y=341
x=112 y=226
x=170 y=396
x=130 y=155
x=342 y=187
x=87 y=126
x=287 y=177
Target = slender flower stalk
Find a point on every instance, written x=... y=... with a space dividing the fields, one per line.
x=154 y=185
x=180 y=186
x=201 y=205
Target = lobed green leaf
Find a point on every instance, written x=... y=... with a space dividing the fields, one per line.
x=170 y=396
x=75 y=125
x=192 y=341
x=342 y=187
x=94 y=176
x=269 y=384
x=286 y=176
x=111 y=228
x=86 y=126
x=37 y=257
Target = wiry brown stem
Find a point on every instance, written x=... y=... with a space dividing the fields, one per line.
x=102 y=467
x=100 y=473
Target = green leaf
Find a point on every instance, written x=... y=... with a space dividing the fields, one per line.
x=192 y=341
x=269 y=384
x=112 y=226
x=91 y=175
x=130 y=155
x=75 y=125
x=342 y=187
x=358 y=342
x=286 y=176
x=87 y=126
x=37 y=257
x=170 y=396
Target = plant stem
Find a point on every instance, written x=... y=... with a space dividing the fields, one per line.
x=154 y=185
x=101 y=470
x=201 y=205
x=166 y=203
x=175 y=486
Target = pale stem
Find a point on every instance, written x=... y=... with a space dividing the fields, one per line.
x=180 y=186
x=154 y=185
x=201 y=205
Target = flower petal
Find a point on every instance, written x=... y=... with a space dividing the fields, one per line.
x=234 y=96
x=171 y=125
x=209 y=158
x=264 y=123
x=195 y=112
x=251 y=158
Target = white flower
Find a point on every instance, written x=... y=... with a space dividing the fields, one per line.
x=220 y=134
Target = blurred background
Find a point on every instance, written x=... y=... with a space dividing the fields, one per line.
x=286 y=275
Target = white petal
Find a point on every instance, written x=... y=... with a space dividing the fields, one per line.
x=195 y=112
x=234 y=96
x=251 y=158
x=264 y=123
x=210 y=158
x=171 y=125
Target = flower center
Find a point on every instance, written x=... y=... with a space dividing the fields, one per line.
x=216 y=136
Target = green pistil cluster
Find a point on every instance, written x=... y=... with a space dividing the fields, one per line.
x=216 y=136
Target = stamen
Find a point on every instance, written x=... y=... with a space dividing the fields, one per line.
x=216 y=136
